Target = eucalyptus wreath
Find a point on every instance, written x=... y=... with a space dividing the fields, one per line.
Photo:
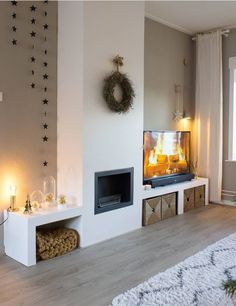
x=118 y=79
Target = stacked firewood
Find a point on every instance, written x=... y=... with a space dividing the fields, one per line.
x=56 y=242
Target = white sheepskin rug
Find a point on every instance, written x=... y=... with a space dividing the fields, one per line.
x=195 y=281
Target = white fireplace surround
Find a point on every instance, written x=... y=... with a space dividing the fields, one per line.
x=91 y=138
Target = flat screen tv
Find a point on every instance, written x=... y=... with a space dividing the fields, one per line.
x=166 y=154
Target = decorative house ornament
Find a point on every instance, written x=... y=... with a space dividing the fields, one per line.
x=121 y=80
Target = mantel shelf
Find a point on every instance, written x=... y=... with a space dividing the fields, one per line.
x=48 y=215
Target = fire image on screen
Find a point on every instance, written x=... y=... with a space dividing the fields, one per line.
x=166 y=153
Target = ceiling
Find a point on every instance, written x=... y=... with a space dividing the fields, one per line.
x=193 y=16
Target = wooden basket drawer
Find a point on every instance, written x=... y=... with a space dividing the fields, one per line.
x=199 y=196
x=188 y=199
x=151 y=210
x=168 y=206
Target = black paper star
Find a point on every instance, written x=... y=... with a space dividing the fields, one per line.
x=45 y=88
x=14 y=28
x=33 y=34
x=14 y=42
x=45 y=101
x=32 y=72
x=45 y=13
x=14 y=3
x=45 y=64
x=33 y=20
x=45 y=138
x=45 y=26
x=46 y=1
x=45 y=76
x=45 y=126
x=32 y=85
x=45 y=163
x=13 y=15
x=33 y=8
x=45 y=51
x=33 y=59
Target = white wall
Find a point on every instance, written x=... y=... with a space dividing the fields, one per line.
x=70 y=100
x=110 y=141
x=165 y=51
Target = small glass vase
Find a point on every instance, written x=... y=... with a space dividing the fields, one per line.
x=49 y=190
x=36 y=199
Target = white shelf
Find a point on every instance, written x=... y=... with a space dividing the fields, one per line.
x=179 y=188
x=49 y=215
x=20 y=230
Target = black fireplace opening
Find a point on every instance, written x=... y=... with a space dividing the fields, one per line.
x=113 y=189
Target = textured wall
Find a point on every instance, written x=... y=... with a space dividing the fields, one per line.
x=21 y=113
x=165 y=50
x=229 y=168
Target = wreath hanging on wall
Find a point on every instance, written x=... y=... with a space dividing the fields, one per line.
x=121 y=80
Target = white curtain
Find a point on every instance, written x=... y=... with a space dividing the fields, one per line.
x=209 y=111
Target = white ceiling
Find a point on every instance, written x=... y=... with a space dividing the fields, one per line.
x=193 y=16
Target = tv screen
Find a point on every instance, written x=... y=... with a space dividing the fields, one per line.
x=165 y=153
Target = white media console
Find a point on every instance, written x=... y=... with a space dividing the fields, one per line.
x=179 y=189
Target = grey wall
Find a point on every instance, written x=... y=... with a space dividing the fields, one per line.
x=229 y=168
x=21 y=113
x=165 y=50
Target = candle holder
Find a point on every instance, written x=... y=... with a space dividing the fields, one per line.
x=12 y=207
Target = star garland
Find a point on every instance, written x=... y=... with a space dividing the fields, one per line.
x=34 y=36
x=45 y=79
x=14 y=28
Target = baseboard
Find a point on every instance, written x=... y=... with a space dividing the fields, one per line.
x=228 y=195
x=226 y=202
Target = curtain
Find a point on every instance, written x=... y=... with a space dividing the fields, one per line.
x=209 y=111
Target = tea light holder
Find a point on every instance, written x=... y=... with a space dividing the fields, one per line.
x=12 y=207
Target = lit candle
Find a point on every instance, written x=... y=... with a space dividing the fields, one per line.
x=13 y=198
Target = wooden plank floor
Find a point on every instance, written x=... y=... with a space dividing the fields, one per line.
x=94 y=275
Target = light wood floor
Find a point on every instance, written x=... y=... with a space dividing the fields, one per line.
x=94 y=275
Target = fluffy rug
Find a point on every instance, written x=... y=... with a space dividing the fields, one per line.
x=195 y=281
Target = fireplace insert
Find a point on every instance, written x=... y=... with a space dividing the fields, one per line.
x=166 y=158
x=113 y=189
